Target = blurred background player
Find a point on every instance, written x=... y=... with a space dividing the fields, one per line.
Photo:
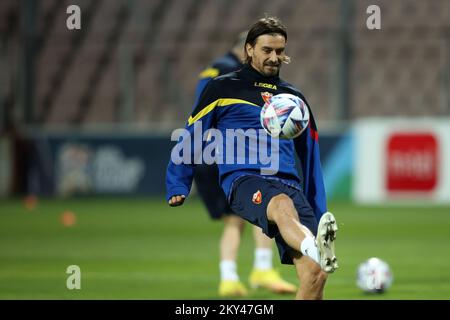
x=207 y=182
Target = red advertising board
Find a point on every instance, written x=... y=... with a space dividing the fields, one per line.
x=412 y=162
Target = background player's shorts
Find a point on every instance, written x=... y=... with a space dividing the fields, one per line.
x=207 y=181
x=246 y=203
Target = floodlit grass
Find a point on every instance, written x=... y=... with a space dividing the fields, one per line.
x=143 y=249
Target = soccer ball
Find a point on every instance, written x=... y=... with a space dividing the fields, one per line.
x=374 y=275
x=284 y=116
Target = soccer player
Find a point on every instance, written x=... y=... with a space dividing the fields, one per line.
x=207 y=182
x=288 y=206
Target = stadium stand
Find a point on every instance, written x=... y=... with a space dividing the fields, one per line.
x=165 y=43
x=402 y=70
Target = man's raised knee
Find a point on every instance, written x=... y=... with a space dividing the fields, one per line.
x=279 y=207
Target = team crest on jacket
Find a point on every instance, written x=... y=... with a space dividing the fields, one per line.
x=257 y=197
x=266 y=96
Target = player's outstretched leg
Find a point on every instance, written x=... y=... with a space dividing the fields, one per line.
x=326 y=236
x=230 y=285
x=312 y=278
x=306 y=256
x=263 y=274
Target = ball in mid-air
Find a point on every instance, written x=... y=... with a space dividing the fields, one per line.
x=285 y=116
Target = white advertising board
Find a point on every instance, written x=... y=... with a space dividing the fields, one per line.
x=402 y=161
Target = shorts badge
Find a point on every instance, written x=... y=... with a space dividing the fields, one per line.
x=257 y=197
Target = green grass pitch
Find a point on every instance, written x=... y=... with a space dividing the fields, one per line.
x=142 y=249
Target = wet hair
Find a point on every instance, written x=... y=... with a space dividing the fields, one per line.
x=266 y=25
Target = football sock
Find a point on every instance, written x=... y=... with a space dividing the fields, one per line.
x=228 y=270
x=263 y=259
x=308 y=248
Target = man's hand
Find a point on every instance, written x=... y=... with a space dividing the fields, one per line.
x=176 y=200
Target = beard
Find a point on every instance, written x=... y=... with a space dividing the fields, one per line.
x=267 y=69
x=271 y=69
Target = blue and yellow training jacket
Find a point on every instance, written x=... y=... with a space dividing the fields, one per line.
x=232 y=103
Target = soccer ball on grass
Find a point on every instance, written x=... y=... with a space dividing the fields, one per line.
x=374 y=276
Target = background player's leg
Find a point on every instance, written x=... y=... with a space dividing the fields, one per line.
x=263 y=274
x=229 y=245
x=206 y=179
x=263 y=250
x=231 y=237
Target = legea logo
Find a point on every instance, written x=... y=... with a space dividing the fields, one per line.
x=412 y=162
